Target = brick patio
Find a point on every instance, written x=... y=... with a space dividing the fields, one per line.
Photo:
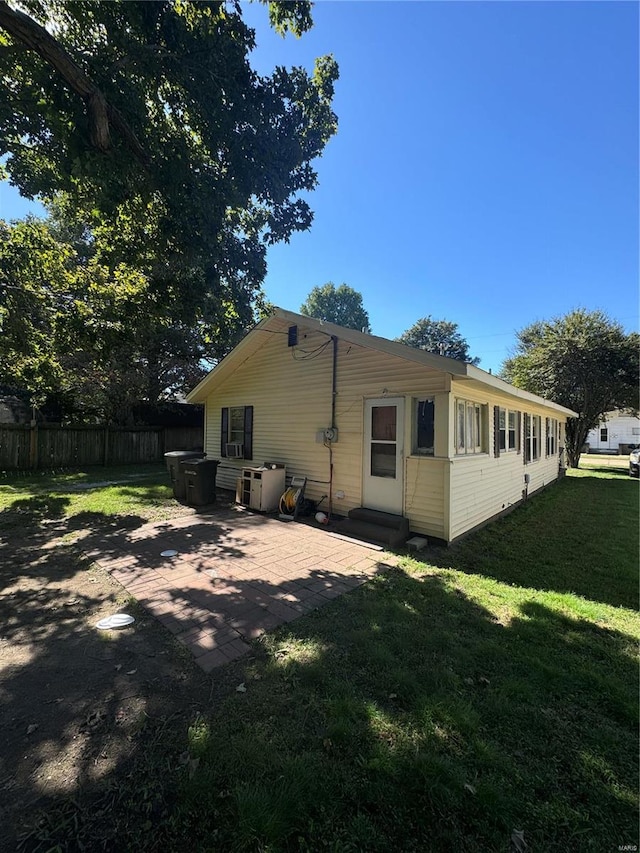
x=237 y=574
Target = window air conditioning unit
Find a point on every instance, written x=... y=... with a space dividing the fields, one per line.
x=234 y=450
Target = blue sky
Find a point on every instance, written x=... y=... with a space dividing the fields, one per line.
x=485 y=169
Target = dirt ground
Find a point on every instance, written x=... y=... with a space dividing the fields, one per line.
x=78 y=705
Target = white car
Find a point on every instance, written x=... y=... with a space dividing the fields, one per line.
x=634 y=463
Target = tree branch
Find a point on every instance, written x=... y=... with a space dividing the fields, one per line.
x=101 y=114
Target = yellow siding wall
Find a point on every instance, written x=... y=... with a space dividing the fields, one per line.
x=368 y=374
x=292 y=401
x=482 y=486
x=444 y=496
x=426 y=490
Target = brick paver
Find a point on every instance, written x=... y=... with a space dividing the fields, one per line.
x=237 y=574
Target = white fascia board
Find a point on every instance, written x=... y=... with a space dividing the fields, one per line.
x=474 y=373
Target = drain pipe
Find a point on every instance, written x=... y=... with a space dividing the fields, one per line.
x=334 y=371
x=334 y=381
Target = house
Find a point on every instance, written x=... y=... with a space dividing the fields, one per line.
x=376 y=424
x=617 y=431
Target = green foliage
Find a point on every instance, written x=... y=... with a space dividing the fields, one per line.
x=100 y=338
x=340 y=305
x=35 y=280
x=583 y=360
x=147 y=122
x=440 y=337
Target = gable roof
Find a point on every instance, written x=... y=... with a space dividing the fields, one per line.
x=457 y=369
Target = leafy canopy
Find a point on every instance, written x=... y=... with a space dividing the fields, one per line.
x=96 y=338
x=584 y=361
x=341 y=305
x=440 y=337
x=147 y=121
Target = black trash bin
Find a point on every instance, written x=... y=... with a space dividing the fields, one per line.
x=173 y=460
x=200 y=480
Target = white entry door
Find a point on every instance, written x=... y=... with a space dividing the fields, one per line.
x=383 y=481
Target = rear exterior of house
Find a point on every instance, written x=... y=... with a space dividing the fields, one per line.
x=439 y=442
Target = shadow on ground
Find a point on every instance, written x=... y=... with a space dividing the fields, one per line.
x=403 y=715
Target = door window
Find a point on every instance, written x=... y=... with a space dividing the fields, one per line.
x=383 y=441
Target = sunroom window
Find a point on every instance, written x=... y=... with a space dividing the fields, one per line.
x=424 y=427
x=470 y=427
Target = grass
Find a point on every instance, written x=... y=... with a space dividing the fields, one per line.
x=115 y=495
x=487 y=689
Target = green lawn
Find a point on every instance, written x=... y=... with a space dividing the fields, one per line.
x=114 y=495
x=491 y=688
x=443 y=706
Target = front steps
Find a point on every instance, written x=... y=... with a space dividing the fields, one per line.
x=383 y=528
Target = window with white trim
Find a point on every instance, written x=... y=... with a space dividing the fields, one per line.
x=424 y=427
x=471 y=419
x=513 y=430
x=552 y=436
x=507 y=429
x=531 y=437
x=604 y=434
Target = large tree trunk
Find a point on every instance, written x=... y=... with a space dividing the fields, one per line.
x=576 y=435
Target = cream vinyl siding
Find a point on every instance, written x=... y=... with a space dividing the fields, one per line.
x=292 y=401
x=363 y=374
x=290 y=390
x=483 y=486
x=426 y=489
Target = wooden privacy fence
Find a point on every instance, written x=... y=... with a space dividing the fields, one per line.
x=24 y=446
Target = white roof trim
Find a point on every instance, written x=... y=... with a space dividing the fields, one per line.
x=458 y=369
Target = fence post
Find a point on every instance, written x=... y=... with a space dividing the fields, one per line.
x=105 y=456
x=33 y=444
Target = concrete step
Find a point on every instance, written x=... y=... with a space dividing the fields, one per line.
x=373 y=531
x=384 y=519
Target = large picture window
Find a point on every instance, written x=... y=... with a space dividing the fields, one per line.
x=471 y=421
x=424 y=427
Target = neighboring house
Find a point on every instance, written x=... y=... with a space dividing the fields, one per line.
x=438 y=441
x=13 y=410
x=615 y=433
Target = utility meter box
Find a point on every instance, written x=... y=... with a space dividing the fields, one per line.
x=327 y=435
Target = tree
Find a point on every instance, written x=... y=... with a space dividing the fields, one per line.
x=98 y=339
x=34 y=282
x=584 y=361
x=440 y=337
x=341 y=305
x=147 y=120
